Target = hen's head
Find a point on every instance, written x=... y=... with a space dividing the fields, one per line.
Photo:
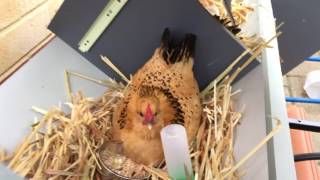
x=150 y=109
x=147 y=110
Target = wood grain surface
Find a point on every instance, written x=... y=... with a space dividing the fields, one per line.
x=23 y=25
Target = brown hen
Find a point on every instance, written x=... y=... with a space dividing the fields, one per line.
x=162 y=92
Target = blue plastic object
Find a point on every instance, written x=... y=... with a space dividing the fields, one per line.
x=303 y=100
x=314 y=59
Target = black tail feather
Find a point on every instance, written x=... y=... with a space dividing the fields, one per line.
x=173 y=52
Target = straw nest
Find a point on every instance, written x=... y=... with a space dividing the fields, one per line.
x=240 y=11
x=65 y=145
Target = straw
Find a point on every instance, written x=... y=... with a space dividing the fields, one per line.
x=113 y=67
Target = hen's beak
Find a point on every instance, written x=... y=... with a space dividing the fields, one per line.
x=148 y=123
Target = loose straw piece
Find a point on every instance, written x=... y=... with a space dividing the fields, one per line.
x=215 y=112
x=85 y=77
x=156 y=172
x=106 y=83
x=256 y=52
x=92 y=153
x=113 y=67
x=39 y=110
x=67 y=85
x=279 y=26
x=255 y=149
x=225 y=72
x=204 y=159
x=3 y=155
x=231 y=66
x=253 y=57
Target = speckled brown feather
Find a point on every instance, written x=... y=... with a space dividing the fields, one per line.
x=168 y=76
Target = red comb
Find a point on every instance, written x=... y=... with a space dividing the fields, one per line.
x=149 y=115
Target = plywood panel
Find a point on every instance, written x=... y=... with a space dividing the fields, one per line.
x=19 y=41
x=10 y=10
x=137 y=32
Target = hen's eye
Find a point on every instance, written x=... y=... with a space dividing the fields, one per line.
x=156 y=113
x=141 y=114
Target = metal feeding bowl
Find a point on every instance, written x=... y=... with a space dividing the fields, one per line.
x=116 y=166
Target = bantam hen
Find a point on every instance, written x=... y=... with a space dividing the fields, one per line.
x=164 y=91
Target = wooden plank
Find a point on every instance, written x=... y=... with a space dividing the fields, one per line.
x=11 y=10
x=26 y=57
x=25 y=33
x=19 y=41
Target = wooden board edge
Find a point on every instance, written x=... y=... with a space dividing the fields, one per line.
x=24 y=59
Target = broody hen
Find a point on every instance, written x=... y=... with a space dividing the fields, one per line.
x=162 y=92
